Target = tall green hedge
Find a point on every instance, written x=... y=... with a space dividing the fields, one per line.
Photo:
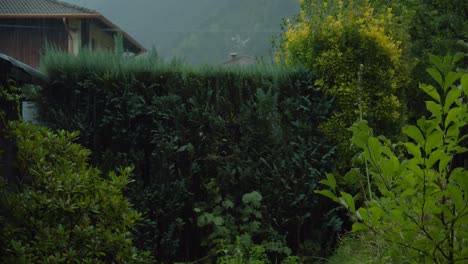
x=201 y=140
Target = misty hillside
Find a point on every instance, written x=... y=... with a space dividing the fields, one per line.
x=202 y=31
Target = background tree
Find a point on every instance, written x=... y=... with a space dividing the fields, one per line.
x=360 y=59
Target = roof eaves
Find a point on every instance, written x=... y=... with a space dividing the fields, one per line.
x=125 y=34
x=50 y=15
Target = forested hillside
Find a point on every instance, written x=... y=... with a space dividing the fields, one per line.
x=203 y=31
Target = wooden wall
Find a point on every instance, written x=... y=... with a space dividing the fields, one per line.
x=25 y=39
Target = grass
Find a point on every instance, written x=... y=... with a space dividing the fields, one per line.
x=366 y=248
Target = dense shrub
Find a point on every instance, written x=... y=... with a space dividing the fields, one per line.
x=359 y=58
x=62 y=210
x=418 y=201
x=200 y=140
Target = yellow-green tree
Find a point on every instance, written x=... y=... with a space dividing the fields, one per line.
x=359 y=57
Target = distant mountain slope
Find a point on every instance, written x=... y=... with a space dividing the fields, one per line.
x=202 y=31
x=242 y=26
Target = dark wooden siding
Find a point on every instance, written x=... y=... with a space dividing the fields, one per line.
x=25 y=39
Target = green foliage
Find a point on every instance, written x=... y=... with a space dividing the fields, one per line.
x=226 y=226
x=63 y=210
x=241 y=252
x=360 y=60
x=244 y=252
x=433 y=27
x=202 y=138
x=10 y=102
x=419 y=201
x=367 y=248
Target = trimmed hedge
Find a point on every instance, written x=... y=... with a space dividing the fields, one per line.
x=200 y=140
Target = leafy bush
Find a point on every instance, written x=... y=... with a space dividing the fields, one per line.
x=9 y=102
x=359 y=59
x=368 y=248
x=63 y=210
x=199 y=137
x=419 y=201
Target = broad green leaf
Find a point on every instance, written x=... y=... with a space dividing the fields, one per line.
x=451 y=97
x=328 y=194
x=456 y=196
x=414 y=150
x=362 y=214
x=452 y=116
x=434 y=140
x=353 y=175
x=457 y=57
x=408 y=192
x=414 y=133
x=359 y=227
x=435 y=109
x=444 y=161
x=431 y=91
x=375 y=150
x=434 y=156
x=347 y=201
x=450 y=79
x=376 y=214
x=464 y=83
x=435 y=74
x=437 y=62
x=413 y=166
x=453 y=131
x=462 y=221
x=447 y=61
x=331 y=181
x=460 y=175
x=361 y=133
x=386 y=170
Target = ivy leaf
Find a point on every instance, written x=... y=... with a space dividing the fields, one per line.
x=218 y=221
x=254 y=198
